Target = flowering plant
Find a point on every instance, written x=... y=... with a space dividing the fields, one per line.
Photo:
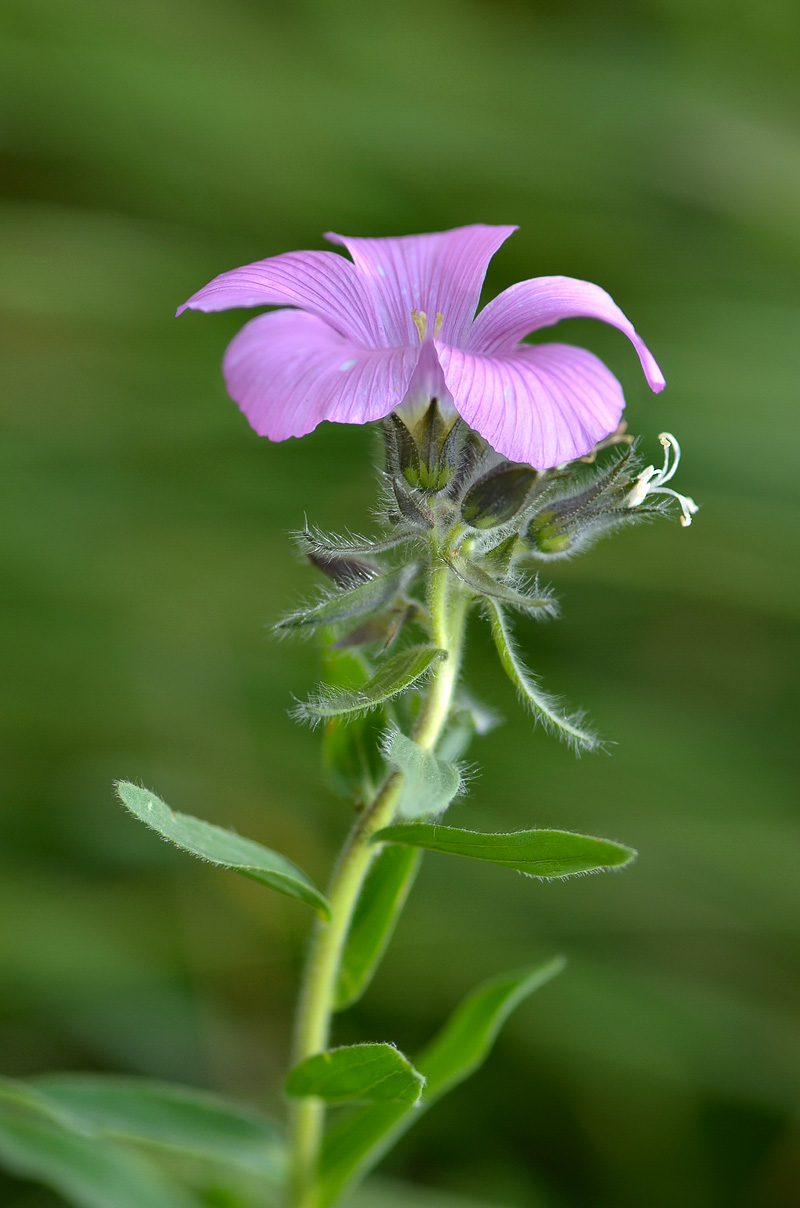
x=499 y=455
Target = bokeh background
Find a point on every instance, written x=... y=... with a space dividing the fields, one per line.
x=649 y=145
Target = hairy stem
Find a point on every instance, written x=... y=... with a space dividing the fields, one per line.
x=447 y=608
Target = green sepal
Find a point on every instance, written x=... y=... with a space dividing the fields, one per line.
x=181 y=1119
x=499 y=496
x=367 y=597
x=379 y=904
x=537 y=853
x=87 y=1170
x=543 y=706
x=430 y=784
x=358 y=1141
x=416 y=513
x=345 y=571
x=395 y=675
x=221 y=847
x=315 y=543
x=357 y=1073
x=537 y=603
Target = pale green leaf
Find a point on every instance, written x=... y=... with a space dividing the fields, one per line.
x=221 y=847
x=171 y=1117
x=394 y=675
x=88 y=1171
x=382 y=897
x=538 y=853
x=357 y=1073
x=429 y=783
x=358 y=1141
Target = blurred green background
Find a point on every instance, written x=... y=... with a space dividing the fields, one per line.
x=650 y=146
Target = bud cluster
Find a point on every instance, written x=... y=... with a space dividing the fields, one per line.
x=441 y=473
x=455 y=508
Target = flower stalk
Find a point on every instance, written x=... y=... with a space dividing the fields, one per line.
x=447 y=608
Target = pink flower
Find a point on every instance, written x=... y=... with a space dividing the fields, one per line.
x=349 y=348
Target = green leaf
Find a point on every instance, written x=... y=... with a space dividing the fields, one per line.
x=357 y=1073
x=221 y=847
x=359 y=601
x=397 y=674
x=538 y=853
x=88 y=1171
x=358 y=1141
x=540 y=604
x=351 y=747
x=170 y=1117
x=382 y=897
x=430 y=784
x=544 y=707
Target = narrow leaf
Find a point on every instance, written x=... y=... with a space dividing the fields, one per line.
x=357 y=1142
x=87 y=1171
x=221 y=847
x=430 y=784
x=544 y=707
x=537 y=603
x=367 y=597
x=170 y=1117
x=538 y=853
x=397 y=674
x=382 y=897
x=357 y=1073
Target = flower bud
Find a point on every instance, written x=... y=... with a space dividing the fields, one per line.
x=498 y=496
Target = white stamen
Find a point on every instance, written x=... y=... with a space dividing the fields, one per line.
x=651 y=481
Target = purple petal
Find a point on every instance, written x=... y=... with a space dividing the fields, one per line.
x=427 y=383
x=543 y=404
x=530 y=305
x=322 y=283
x=435 y=274
x=288 y=371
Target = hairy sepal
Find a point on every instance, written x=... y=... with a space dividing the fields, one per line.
x=394 y=676
x=536 y=602
x=545 y=708
x=363 y=599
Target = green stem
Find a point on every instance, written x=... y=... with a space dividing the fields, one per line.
x=448 y=605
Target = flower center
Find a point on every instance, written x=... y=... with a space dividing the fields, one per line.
x=421 y=323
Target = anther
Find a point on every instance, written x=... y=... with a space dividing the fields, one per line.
x=420 y=322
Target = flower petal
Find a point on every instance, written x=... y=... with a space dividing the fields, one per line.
x=437 y=274
x=540 y=404
x=542 y=301
x=427 y=383
x=322 y=283
x=288 y=371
